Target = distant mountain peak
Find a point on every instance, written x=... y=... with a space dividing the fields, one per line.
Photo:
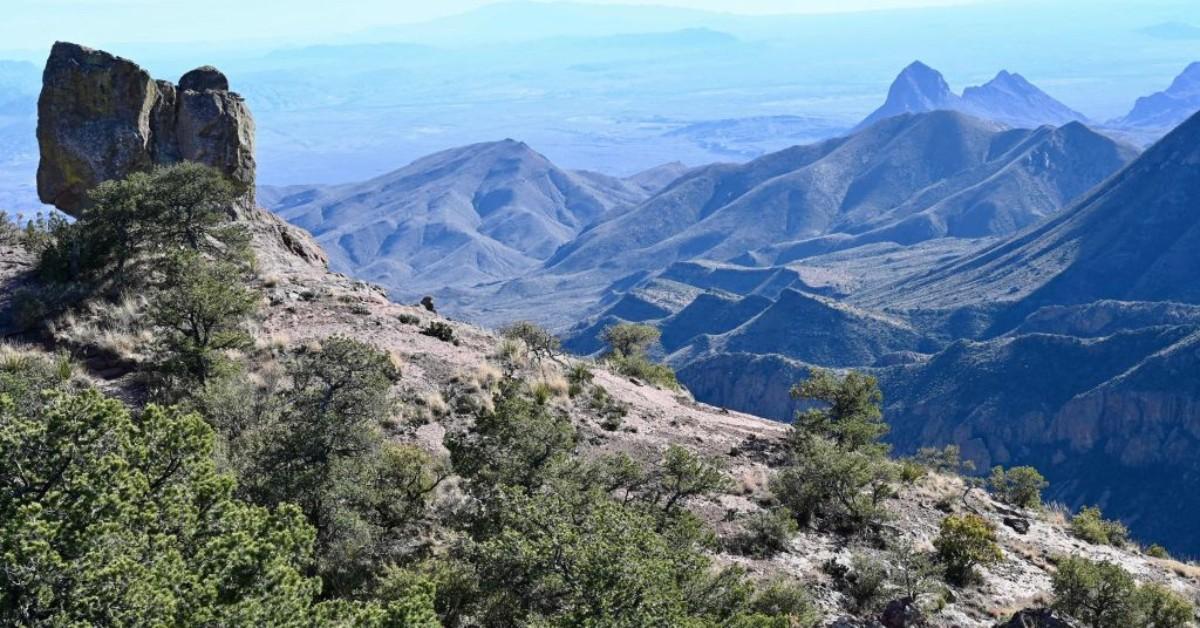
x=1168 y=108
x=1008 y=98
x=1011 y=80
x=917 y=89
x=918 y=80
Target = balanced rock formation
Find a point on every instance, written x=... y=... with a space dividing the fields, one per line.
x=102 y=117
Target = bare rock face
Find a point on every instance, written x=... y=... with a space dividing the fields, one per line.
x=93 y=123
x=102 y=117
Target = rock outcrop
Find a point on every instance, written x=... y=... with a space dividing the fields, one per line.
x=102 y=117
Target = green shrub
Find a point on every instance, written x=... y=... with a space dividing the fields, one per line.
x=838 y=470
x=201 y=309
x=540 y=343
x=1103 y=595
x=789 y=600
x=42 y=232
x=910 y=571
x=1161 y=607
x=1019 y=486
x=948 y=459
x=579 y=376
x=514 y=444
x=629 y=339
x=640 y=367
x=866 y=583
x=1157 y=551
x=847 y=413
x=321 y=448
x=441 y=331
x=911 y=471
x=132 y=222
x=963 y=543
x=409 y=319
x=1091 y=526
x=765 y=533
x=843 y=489
x=628 y=344
x=10 y=231
x=136 y=507
x=611 y=412
x=682 y=474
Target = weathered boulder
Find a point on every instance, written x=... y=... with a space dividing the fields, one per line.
x=902 y=613
x=215 y=128
x=102 y=117
x=204 y=78
x=1020 y=525
x=93 y=123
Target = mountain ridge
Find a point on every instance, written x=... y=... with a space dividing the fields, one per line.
x=462 y=216
x=1007 y=98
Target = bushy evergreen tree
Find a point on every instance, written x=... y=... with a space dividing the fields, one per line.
x=112 y=519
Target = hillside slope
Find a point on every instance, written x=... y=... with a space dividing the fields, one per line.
x=906 y=179
x=1135 y=238
x=456 y=218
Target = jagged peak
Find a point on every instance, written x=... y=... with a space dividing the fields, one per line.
x=919 y=77
x=1004 y=77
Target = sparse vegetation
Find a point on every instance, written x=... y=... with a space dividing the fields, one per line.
x=640 y=367
x=1091 y=526
x=1103 y=595
x=541 y=344
x=1157 y=551
x=948 y=459
x=765 y=533
x=441 y=331
x=838 y=471
x=611 y=412
x=1019 y=486
x=866 y=582
x=965 y=542
x=628 y=344
x=629 y=339
x=911 y=572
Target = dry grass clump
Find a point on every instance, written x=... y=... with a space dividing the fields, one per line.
x=472 y=389
x=512 y=354
x=1056 y=513
x=751 y=481
x=119 y=328
x=429 y=407
x=549 y=386
x=16 y=358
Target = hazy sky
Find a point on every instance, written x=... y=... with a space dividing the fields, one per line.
x=32 y=24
